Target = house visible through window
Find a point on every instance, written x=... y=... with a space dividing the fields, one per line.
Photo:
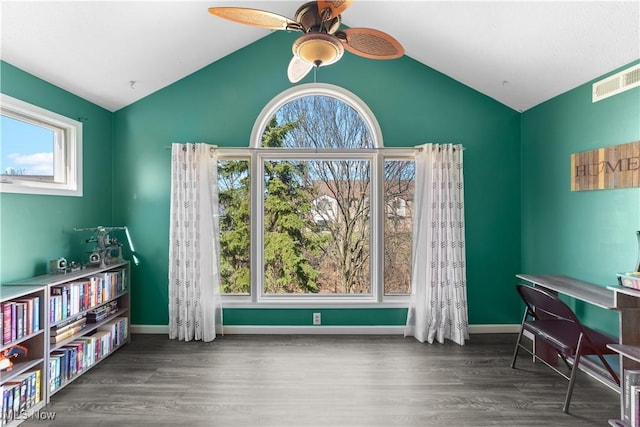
x=316 y=210
x=41 y=150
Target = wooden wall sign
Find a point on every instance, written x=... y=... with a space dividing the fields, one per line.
x=617 y=166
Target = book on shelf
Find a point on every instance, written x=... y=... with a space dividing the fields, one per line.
x=631 y=379
x=26 y=311
x=21 y=393
x=74 y=350
x=8 y=334
x=118 y=331
x=66 y=334
x=38 y=385
x=65 y=331
x=63 y=327
x=54 y=371
x=33 y=316
x=102 y=312
x=19 y=318
x=7 y=403
x=21 y=309
x=69 y=299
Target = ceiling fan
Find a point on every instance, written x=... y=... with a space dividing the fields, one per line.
x=322 y=42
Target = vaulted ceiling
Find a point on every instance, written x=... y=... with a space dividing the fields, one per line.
x=520 y=53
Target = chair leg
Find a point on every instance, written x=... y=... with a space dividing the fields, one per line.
x=572 y=380
x=566 y=362
x=515 y=351
x=609 y=369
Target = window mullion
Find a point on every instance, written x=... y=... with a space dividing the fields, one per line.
x=256 y=241
x=377 y=227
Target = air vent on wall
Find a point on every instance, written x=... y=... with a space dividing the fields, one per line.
x=617 y=83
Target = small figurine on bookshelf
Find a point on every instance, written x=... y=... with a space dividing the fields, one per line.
x=10 y=353
x=61 y=266
x=108 y=249
x=58 y=265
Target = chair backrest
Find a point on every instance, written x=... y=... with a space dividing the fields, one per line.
x=545 y=302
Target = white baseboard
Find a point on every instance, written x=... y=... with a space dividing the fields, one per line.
x=150 y=329
x=315 y=330
x=323 y=330
x=494 y=329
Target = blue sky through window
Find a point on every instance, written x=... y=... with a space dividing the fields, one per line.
x=26 y=149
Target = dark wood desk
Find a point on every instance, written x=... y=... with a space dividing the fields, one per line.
x=624 y=300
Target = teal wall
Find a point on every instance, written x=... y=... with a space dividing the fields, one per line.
x=413 y=104
x=589 y=235
x=35 y=229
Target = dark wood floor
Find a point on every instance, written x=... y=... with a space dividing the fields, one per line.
x=241 y=380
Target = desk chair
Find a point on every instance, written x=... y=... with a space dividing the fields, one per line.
x=552 y=321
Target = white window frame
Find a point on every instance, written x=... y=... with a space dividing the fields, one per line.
x=257 y=156
x=258 y=236
x=67 y=167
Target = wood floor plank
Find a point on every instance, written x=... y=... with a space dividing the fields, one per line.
x=242 y=380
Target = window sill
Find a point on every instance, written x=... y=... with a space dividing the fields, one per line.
x=246 y=302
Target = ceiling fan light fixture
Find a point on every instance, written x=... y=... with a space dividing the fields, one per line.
x=318 y=49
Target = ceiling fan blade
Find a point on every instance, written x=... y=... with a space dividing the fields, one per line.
x=255 y=17
x=370 y=43
x=298 y=69
x=336 y=7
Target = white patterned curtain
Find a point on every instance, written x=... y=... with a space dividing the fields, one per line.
x=438 y=305
x=195 y=307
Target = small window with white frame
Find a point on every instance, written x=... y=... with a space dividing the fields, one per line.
x=41 y=150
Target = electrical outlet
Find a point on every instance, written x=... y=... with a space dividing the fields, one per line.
x=317 y=320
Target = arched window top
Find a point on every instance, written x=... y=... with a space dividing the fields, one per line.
x=325 y=117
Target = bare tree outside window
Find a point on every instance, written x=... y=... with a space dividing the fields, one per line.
x=399 y=178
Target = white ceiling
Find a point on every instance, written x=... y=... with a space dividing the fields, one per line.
x=520 y=53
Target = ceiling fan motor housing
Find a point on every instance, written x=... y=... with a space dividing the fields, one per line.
x=310 y=19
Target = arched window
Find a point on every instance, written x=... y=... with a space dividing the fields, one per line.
x=310 y=203
x=323 y=110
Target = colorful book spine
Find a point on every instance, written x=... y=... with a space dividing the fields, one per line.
x=19 y=394
x=7 y=403
x=28 y=326
x=20 y=319
x=36 y=314
x=5 y=392
x=38 y=386
x=7 y=322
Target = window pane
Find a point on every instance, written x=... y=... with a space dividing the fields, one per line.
x=317 y=227
x=323 y=122
x=27 y=150
x=234 y=208
x=398 y=225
